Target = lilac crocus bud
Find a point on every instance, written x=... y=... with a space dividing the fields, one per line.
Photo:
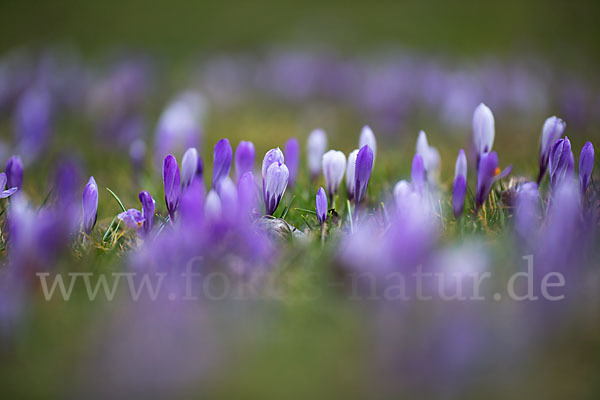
x=247 y=192
x=274 y=185
x=148 y=206
x=132 y=218
x=561 y=162
x=431 y=157
x=244 y=159
x=362 y=172
x=488 y=173
x=401 y=191
x=368 y=138
x=228 y=195
x=221 y=161
x=321 y=206
x=171 y=182
x=483 y=130
x=551 y=131
x=272 y=156
x=189 y=167
x=334 y=165
x=417 y=173
x=350 y=168
x=5 y=193
x=90 y=205
x=459 y=187
x=212 y=206
x=292 y=158
x=14 y=172
x=527 y=211
x=315 y=148
x=586 y=165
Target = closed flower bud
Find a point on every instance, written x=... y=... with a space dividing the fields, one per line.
x=315 y=148
x=90 y=205
x=171 y=183
x=334 y=165
x=272 y=156
x=189 y=167
x=487 y=174
x=221 y=161
x=586 y=165
x=350 y=168
x=561 y=162
x=417 y=173
x=244 y=158
x=148 y=206
x=321 y=206
x=14 y=172
x=431 y=157
x=459 y=187
x=274 y=186
x=483 y=130
x=362 y=172
x=551 y=131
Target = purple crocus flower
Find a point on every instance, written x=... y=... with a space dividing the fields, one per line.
x=272 y=156
x=334 y=165
x=417 y=173
x=244 y=158
x=90 y=205
x=292 y=158
x=362 y=172
x=459 y=187
x=132 y=218
x=14 y=172
x=527 y=212
x=350 y=169
x=552 y=130
x=247 y=192
x=5 y=193
x=221 y=161
x=586 y=165
x=148 y=205
x=488 y=173
x=171 y=182
x=321 y=206
x=189 y=167
x=561 y=162
x=483 y=130
x=274 y=185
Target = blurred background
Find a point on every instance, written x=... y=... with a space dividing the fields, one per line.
x=100 y=77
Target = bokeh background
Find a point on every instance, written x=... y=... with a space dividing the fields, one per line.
x=269 y=71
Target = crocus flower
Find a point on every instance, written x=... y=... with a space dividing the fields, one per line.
x=368 y=138
x=212 y=205
x=292 y=158
x=171 y=182
x=552 y=130
x=247 y=191
x=221 y=161
x=334 y=165
x=488 y=173
x=362 y=172
x=417 y=173
x=350 y=168
x=5 y=193
x=272 y=156
x=459 y=187
x=315 y=148
x=401 y=191
x=90 y=205
x=274 y=185
x=431 y=157
x=148 y=205
x=527 y=212
x=586 y=165
x=244 y=158
x=14 y=172
x=561 y=162
x=132 y=218
x=189 y=167
x=483 y=130
x=321 y=206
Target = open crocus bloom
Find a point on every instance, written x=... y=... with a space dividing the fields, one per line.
x=132 y=218
x=5 y=193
